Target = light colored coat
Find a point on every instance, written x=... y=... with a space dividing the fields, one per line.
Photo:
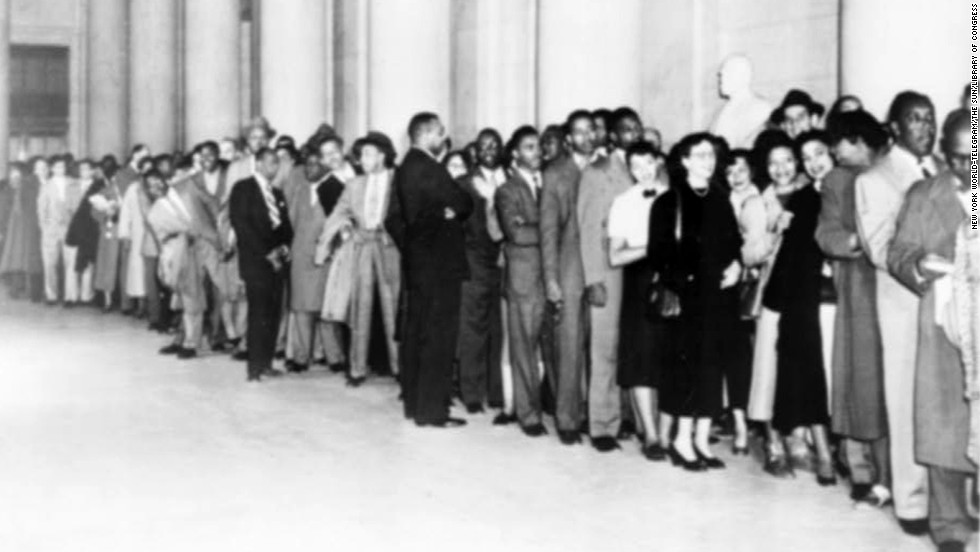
x=132 y=227
x=55 y=211
x=928 y=224
x=307 y=279
x=880 y=192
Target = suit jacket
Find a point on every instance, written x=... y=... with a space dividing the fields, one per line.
x=879 y=196
x=600 y=184
x=482 y=251
x=433 y=248
x=350 y=210
x=307 y=279
x=202 y=207
x=253 y=227
x=517 y=209
x=55 y=212
x=928 y=223
x=125 y=178
x=220 y=195
x=561 y=254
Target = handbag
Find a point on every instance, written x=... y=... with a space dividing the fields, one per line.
x=663 y=302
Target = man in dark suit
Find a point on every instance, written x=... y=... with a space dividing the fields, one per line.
x=481 y=328
x=261 y=223
x=426 y=221
x=564 y=277
x=517 y=210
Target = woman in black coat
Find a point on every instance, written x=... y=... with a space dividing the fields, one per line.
x=793 y=291
x=702 y=268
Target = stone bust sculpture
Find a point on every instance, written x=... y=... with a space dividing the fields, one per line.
x=745 y=113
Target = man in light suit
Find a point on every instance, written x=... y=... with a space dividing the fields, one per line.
x=261 y=223
x=131 y=174
x=359 y=215
x=199 y=212
x=481 y=326
x=517 y=211
x=921 y=253
x=601 y=183
x=561 y=258
x=311 y=202
x=56 y=205
x=426 y=219
x=880 y=192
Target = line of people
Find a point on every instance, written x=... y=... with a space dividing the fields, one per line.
x=822 y=285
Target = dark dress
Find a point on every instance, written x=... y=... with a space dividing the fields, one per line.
x=794 y=292
x=22 y=238
x=645 y=345
x=706 y=336
x=83 y=231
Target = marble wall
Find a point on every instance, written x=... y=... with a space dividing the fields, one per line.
x=370 y=64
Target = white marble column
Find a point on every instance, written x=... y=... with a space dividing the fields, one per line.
x=588 y=56
x=5 y=154
x=153 y=73
x=212 y=73
x=107 y=77
x=888 y=46
x=494 y=65
x=408 y=64
x=294 y=47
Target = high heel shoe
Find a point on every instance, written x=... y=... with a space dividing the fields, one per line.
x=689 y=465
x=825 y=474
x=709 y=462
x=740 y=451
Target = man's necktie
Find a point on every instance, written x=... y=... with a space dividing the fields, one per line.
x=270 y=203
x=649 y=193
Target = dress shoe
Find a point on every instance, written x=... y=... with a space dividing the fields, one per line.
x=569 y=437
x=447 y=423
x=186 y=353
x=232 y=343
x=474 y=408
x=322 y=361
x=504 y=419
x=253 y=378
x=605 y=443
x=859 y=491
x=338 y=367
x=355 y=381
x=677 y=459
x=710 y=462
x=654 y=452
x=240 y=355
x=873 y=496
x=295 y=367
x=951 y=546
x=171 y=349
x=534 y=430
x=270 y=373
x=914 y=527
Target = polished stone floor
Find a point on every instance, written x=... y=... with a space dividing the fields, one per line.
x=104 y=445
